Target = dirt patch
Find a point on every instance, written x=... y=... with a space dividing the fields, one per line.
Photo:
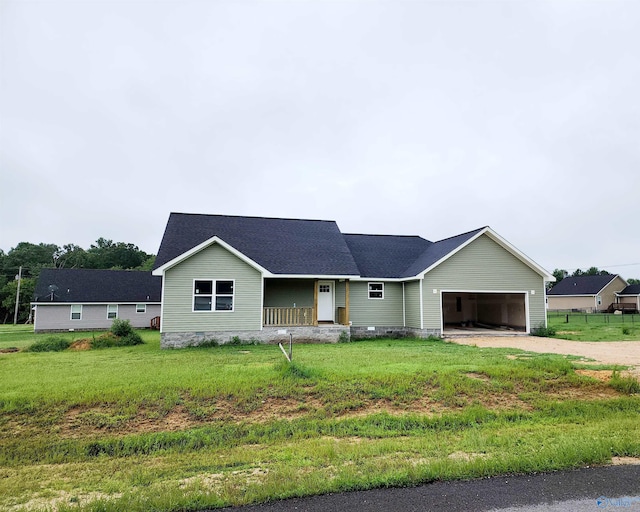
x=9 y=350
x=83 y=344
x=625 y=461
x=601 y=375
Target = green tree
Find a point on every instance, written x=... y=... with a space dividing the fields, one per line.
x=107 y=254
x=9 y=292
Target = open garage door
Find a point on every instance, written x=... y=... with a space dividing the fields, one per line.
x=482 y=311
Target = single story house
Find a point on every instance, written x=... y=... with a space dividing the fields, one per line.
x=590 y=294
x=85 y=299
x=262 y=279
x=629 y=298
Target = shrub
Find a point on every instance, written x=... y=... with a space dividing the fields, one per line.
x=544 y=331
x=50 y=344
x=109 y=340
x=121 y=327
x=344 y=337
x=626 y=331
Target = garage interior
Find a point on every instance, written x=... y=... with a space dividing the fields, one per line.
x=472 y=312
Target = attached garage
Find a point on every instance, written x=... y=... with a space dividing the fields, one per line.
x=504 y=311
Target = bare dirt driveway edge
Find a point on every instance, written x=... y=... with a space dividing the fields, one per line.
x=623 y=353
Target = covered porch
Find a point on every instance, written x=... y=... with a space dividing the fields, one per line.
x=305 y=302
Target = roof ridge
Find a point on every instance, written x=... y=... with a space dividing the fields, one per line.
x=250 y=217
x=462 y=234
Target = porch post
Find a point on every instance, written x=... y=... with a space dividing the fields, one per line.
x=346 y=301
x=315 y=302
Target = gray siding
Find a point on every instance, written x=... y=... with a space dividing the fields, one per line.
x=483 y=265
x=374 y=312
x=214 y=262
x=412 y=303
x=57 y=317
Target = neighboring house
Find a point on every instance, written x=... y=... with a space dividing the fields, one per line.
x=85 y=299
x=629 y=298
x=585 y=293
x=265 y=278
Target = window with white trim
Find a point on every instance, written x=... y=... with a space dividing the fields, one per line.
x=141 y=308
x=76 y=311
x=112 y=311
x=213 y=295
x=376 y=290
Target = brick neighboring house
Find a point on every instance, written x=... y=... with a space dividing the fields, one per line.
x=590 y=294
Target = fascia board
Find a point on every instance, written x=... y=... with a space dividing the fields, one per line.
x=384 y=279
x=311 y=276
x=100 y=303
x=572 y=295
x=213 y=240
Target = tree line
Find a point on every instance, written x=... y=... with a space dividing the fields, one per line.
x=104 y=254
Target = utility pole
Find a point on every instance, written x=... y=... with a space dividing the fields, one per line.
x=19 y=278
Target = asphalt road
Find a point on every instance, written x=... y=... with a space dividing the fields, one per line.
x=589 y=489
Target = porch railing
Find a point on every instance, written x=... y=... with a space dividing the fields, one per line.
x=281 y=317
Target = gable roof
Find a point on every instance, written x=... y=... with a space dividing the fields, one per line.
x=385 y=256
x=296 y=247
x=75 y=285
x=632 y=289
x=437 y=251
x=582 y=285
x=281 y=246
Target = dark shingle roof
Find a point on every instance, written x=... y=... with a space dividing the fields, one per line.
x=385 y=255
x=632 y=289
x=437 y=251
x=581 y=285
x=282 y=246
x=100 y=286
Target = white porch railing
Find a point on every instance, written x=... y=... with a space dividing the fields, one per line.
x=281 y=317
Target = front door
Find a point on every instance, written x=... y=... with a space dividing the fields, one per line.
x=325 y=301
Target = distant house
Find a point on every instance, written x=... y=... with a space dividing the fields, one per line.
x=85 y=299
x=265 y=278
x=629 y=298
x=586 y=293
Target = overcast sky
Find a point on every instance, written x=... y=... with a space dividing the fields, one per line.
x=389 y=117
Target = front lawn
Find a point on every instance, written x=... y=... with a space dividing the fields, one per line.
x=139 y=428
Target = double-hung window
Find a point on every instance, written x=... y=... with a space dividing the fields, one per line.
x=376 y=290
x=213 y=295
x=141 y=308
x=112 y=311
x=76 y=311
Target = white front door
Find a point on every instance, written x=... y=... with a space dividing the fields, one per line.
x=325 y=301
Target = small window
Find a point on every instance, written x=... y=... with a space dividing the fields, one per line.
x=141 y=308
x=224 y=295
x=599 y=299
x=112 y=311
x=324 y=288
x=202 y=295
x=376 y=290
x=76 y=312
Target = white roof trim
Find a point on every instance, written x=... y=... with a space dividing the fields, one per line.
x=504 y=244
x=266 y=273
x=213 y=240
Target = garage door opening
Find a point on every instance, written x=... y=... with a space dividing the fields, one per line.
x=472 y=311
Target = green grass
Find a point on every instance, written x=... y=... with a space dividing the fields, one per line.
x=595 y=327
x=138 y=428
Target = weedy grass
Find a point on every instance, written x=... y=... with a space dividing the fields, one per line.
x=594 y=326
x=137 y=428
